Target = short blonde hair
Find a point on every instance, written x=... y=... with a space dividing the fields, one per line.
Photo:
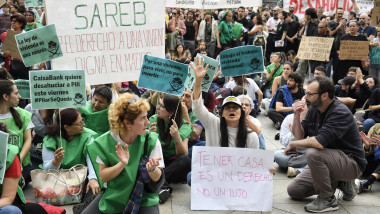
x=127 y=106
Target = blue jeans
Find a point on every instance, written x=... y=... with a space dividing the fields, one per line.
x=282 y=160
x=189 y=178
x=10 y=209
x=367 y=124
x=194 y=143
x=267 y=93
x=261 y=141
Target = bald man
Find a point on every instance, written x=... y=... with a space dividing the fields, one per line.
x=364 y=28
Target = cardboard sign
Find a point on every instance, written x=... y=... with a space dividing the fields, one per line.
x=23 y=88
x=315 y=48
x=354 y=50
x=34 y=3
x=3 y=154
x=2 y=2
x=231 y=179
x=375 y=18
x=39 y=45
x=242 y=60
x=212 y=4
x=163 y=75
x=53 y=89
x=107 y=38
x=207 y=79
x=329 y=6
x=10 y=44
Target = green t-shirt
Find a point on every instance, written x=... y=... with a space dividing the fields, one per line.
x=16 y=135
x=276 y=74
x=184 y=132
x=96 y=121
x=237 y=29
x=116 y=196
x=11 y=155
x=33 y=26
x=75 y=150
x=226 y=32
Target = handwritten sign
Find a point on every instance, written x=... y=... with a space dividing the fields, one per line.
x=315 y=48
x=329 y=6
x=107 y=38
x=207 y=79
x=23 y=88
x=34 y=3
x=163 y=75
x=375 y=18
x=3 y=154
x=10 y=44
x=53 y=89
x=212 y=4
x=39 y=45
x=231 y=179
x=242 y=60
x=2 y=2
x=354 y=50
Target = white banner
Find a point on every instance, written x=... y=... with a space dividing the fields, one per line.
x=212 y=4
x=107 y=39
x=329 y=5
x=231 y=179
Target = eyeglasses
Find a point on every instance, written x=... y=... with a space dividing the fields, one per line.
x=308 y=94
x=174 y=13
x=81 y=123
x=340 y=13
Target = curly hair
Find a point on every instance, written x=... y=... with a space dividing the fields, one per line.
x=127 y=106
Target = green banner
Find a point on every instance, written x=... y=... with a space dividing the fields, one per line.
x=3 y=154
x=39 y=45
x=23 y=88
x=34 y=3
x=57 y=89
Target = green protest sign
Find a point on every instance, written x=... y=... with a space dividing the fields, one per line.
x=57 y=89
x=23 y=88
x=34 y=3
x=39 y=45
x=3 y=154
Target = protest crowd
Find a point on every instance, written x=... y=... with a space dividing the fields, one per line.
x=134 y=142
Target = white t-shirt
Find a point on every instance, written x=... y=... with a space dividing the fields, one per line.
x=211 y=124
x=272 y=23
x=251 y=88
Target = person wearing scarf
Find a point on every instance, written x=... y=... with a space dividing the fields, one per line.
x=31 y=22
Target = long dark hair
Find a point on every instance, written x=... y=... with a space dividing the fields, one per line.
x=241 y=138
x=49 y=116
x=6 y=87
x=68 y=117
x=240 y=79
x=171 y=103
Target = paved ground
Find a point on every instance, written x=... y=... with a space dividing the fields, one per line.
x=179 y=203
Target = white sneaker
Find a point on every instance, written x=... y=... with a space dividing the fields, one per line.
x=292 y=172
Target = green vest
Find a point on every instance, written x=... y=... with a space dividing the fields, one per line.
x=184 y=132
x=16 y=135
x=226 y=32
x=11 y=155
x=75 y=150
x=193 y=118
x=115 y=198
x=276 y=74
x=237 y=29
x=96 y=121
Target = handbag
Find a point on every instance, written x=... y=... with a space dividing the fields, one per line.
x=267 y=83
x=59 y=187
x=18 y=70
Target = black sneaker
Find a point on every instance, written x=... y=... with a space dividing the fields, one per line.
x=277 y=136
x=277 y=125
x=363 y=185
x=349 y=190
x=164 y=195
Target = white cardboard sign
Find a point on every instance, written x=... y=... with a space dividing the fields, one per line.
x=212 y=4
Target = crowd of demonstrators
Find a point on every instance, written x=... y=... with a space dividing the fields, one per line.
x=138 y=143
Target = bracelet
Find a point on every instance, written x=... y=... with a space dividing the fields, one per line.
x=155 y=168
x=176 y=143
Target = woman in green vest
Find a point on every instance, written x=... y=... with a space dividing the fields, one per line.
x=71 y=149
x=224 y=36
x=12 y=199
x=174 y=133
x=31 y=22
x=122 y=167
x=19 y=124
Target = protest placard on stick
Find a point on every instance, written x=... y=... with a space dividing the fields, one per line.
x=354 y=50
x=375 y=18
x=3 y=154
x=207 y=79
x=242 y=60
x=54 y=89
x=163 y=75
x=39 y=45
x=23 y=88
x=231 y=179
x=212 y=4
x=10 y=44
x=108 y=39
x=34 y=3
x=315 y=48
